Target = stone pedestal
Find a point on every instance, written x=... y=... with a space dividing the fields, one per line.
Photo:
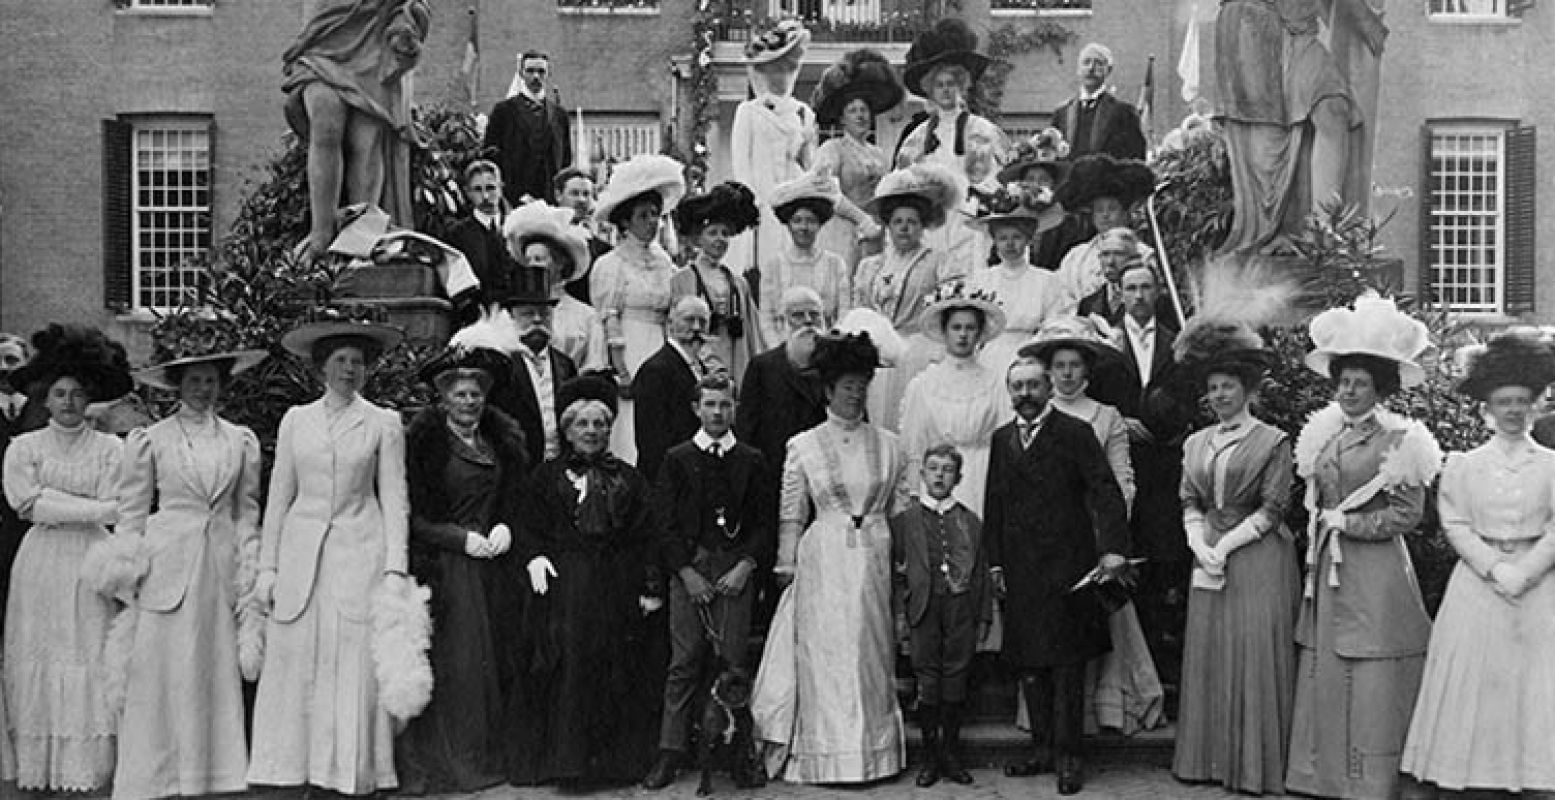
x=407 y=291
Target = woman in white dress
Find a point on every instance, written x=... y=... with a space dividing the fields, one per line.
x=824 y=701
x=336 y=525
x=1029 y=295
x=851 y=93
x=773 y=137
x=630 y=285
x=960 y=400
x=804 y=206
x=1482 y=720
x=907 y=202
x=709 y=221
x=1123 y=689
x=182 y=731
x=943 y=66
x=63 y=479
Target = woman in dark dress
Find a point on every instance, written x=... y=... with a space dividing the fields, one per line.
x=587 y=708
x=466 y=461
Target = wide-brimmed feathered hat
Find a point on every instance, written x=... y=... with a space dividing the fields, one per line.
x=730 y=203
x=229 y=362
x=954 y=296
x=1517 y=357
x=1374 y=327
x=889 y=347
x=367 y=322
x=541 y=221
x=1100 y=175
x=640 y=175
x=81 y=352
x=937 y=185
x=1012 y=204
x=859 y=75
x=949 y=42
x=784 y=38
x=816 y=187
x=495 y=365
x=1090 y=336
x=1207 y=345
x=1046 y=150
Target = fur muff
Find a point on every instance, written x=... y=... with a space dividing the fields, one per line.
x=402 y=635
x=114 y=568
x=252 y=614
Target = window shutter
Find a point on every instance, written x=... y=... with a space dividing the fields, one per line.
x=1519 y=220
x=1425 y=288
x=118 y=283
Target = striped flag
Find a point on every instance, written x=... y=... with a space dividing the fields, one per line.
x=469 y=69
x=1146 y=106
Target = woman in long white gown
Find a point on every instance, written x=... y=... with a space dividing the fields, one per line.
x=824 y=701
x=1123 y=690
x=630 y=285
x=1029 y=295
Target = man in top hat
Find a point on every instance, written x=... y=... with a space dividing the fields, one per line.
x=665 y=385
x=1053 y=513
x=1106 y=191
x=530 y=132
x=479 y=238
x=1095 y=121
x=539 y=370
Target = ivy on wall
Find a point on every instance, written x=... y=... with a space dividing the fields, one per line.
x=1007 y=43
x=704 y=89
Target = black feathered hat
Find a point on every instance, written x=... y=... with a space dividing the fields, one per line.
x=860 y=74
x=1127 y=180
x=949 y=42
x=81 y=352
x=1518 y=357
x=1207 y=345
x=730 y=203
x=497 y=366
x=838 y=354
x=599 y=386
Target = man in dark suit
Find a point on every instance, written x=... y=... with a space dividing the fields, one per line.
x=1095 y=121
x=781 y=396
x=530 y=133
x=1150 y=391
x=539 y=370
x=664 y=388
x=1054 y=513
x=716 y=539
x=479 y=238
x=1118 y=250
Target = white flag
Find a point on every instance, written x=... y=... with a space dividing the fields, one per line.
x=1188 y=62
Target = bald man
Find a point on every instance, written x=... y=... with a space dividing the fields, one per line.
x=664 y=388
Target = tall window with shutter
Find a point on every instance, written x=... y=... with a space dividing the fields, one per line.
x=157 y=210
x=1477 y=220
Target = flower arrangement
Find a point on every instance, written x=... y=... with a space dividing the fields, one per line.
x=956 y=290
x=1012 y=198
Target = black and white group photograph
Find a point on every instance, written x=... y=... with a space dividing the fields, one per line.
x=776 y=399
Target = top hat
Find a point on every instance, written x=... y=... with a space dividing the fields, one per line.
x=528 y=286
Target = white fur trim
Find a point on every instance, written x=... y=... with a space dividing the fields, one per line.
x=402 y=635
x=117 y=649
x=251 y=613
x=115 y=566
x=1415 y=461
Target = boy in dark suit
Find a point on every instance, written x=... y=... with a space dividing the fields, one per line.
x=937 y=547
x=709 y=491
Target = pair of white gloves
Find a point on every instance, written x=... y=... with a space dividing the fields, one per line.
x=491 y=545
x=541 y=571
x=1213 y=558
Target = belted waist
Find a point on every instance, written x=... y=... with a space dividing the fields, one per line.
x=1512 y=546
x=1227 y=517
x=851 y=520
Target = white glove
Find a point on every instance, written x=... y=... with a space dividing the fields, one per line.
x=1332 y=518
x=264 y=587
x=649 y=604
x=500 y=538
x=541 y=570
x=1509 y=580
x=1235 y=539
x=476 y=546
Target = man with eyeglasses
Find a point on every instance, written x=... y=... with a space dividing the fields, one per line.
x=530 y=132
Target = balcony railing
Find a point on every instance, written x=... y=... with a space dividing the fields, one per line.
x=877 y=21
x=1040 y=6
x=607 y=6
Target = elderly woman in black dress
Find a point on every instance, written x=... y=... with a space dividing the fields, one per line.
x=587 y=707
x=466 y=463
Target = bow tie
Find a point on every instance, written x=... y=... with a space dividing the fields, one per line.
x=1230 y=427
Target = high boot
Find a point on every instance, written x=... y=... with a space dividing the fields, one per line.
x=950 y=747
x=1039 y=708
x=929 y=722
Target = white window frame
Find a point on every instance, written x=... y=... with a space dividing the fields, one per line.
x=1467 y=10
x=143 y=146
x=1463 y=218
x=622 y=135
x=168 y=8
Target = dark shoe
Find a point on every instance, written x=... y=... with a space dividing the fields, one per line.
x=1041 y=765
x=950 y=759
x=1071 y=775
x=663 y=772
x=929 y=775
x=929 y=721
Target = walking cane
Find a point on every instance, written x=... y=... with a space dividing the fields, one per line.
x=1166 y=263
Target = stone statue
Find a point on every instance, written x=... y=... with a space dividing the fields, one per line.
x=348 y=95
x=1296 y=84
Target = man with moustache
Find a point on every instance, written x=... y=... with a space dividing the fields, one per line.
x=539 y=370
x=479 y=238
x=1095 y=121
x=1053 y=513
x=530 y=132
x=664 y=388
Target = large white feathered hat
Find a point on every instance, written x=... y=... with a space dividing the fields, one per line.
x=1373 y=327
x=938 y=186
x=639 y=175
x=545 y=222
